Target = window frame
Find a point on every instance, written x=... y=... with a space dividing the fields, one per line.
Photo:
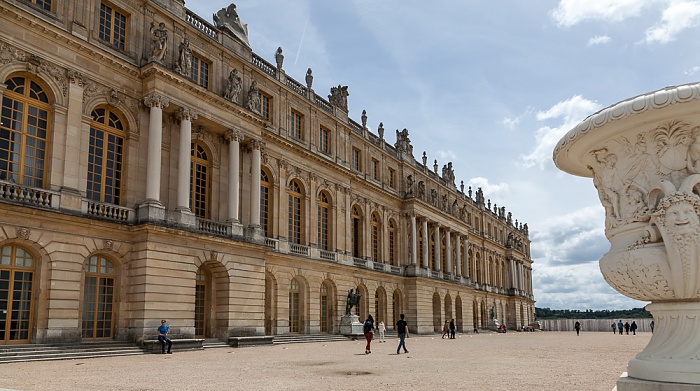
x=111 y=37
x=356 y=159
x=296 y=125
x=199 y=63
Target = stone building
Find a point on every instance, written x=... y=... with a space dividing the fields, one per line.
x=153 y=166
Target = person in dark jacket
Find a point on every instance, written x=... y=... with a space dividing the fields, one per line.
x=627 y=328
x=368 y=329
x=633 y=328
x=452 y=329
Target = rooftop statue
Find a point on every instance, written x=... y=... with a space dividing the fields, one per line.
x=227 y=21
x=339 y=97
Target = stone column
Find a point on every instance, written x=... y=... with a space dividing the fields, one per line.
x=183 y=213
x=152 y=209
x=234 y=138
x=75 y=139
x=254 y=228
x=458 y=254
x=448 y=251
x=426 y=244
x=436 y=253
x=414 y=240
x=465 y=259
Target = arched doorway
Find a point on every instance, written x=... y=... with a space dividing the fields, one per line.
x=437 y=313
x=270 y=304
x=380 y=305
x=475 y=313
x=397 y=305
x=326 y=307
x=17 y=269
x=98 y=298
x=362 y=309
x=448 y=307
x=294 y=307
x=201 y=303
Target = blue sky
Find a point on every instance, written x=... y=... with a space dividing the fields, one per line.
x=492 y=86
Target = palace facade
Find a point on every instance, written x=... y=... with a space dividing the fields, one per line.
x=152 y=166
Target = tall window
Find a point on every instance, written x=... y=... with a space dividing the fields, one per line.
x=375 y=238
x=323 y=142
x=392 y=178
x=294 y=324
x=296 y=122
x=392 y=243
x=265 y=106
x=443 y=254
x=200 y=304
x=419 y=234
x=375 y=169
x=16 y=294
x=200 y=71
x=24 y=132
x=113 y=26
x=199 y=181
x=265 y=186
x=105 y=157
x=323 y=221
x=44 y=4
x=325 y=302
x=356 y=232
x=98 y=298
x=356 y=160
x=295 y=212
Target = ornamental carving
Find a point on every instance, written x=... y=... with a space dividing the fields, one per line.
x=23 y=233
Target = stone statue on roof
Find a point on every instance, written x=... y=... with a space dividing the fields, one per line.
x=339 y=97
x=228 y=22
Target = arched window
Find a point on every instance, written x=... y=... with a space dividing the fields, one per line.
x=98 y=298
x=265 y=210
x=392 y=243
x=431 y=256
x=356 y=232
x=200 y=304
x=16 y=294
x=294 y=318
x=295 y=212
x=199 y=180
x=477 y=269
x=376 y=238
x=443 y=253
x=105 y=157
x=419 y=237
x=326 y=308
x=324 y=221
x=24 y=130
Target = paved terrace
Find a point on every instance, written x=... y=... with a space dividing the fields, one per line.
x=487 y=361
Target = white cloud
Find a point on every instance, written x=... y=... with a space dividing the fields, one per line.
x=598 y=40
x=680 y=15
x=491 y=190
x=510 y=123
x=692 y=71
x=570 y=112
x=571 y=12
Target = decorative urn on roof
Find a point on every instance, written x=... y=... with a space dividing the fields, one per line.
x=644 y=157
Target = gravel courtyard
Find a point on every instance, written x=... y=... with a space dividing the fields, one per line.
x=487 y=361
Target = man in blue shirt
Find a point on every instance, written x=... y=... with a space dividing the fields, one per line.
x=163 y=331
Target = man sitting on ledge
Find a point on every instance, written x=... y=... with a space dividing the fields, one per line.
x=163 y=331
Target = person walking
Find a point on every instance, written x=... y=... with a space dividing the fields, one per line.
x=452 y=329
x=633 y=327
x=614 y=328
x=651 y=325
x=627 y=328
x=382 y=330
x=577 y=327
x=619 y=326
x=163 y=331
x=402 y=330
x=446 y=329
x=368 y=329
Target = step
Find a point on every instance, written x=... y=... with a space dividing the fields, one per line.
x=70 y=357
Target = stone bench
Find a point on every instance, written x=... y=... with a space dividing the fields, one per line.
x=255 y=340
x=179 y=344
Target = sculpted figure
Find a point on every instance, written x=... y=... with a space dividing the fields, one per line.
x=159 y=42
x=352 y=301
x=184 y=60
x=253 y=103
x=309 y=78
x=421 y=190
x=233 y=86
x=227 y=20
x=279 y=58
x=606 y=179
x=339 y=97
x=409 y=185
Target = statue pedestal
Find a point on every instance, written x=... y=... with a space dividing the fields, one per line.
x=350 y=326
x=625 y=383
x=494 y=324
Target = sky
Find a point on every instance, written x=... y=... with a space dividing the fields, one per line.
x=491 y=86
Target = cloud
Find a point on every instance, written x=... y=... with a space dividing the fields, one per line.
x=493 y=191
x=569 y=112
x=692 y=71
x=572 y=12
x=680 y=15
x=598 y=40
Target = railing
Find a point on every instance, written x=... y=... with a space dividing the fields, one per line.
x=296 y=86
x=395 y=269
x=109 y=211
x=357 y=128
x=378 y=266
x=263 y=65
x=299 y=249
x=327 y=255
x=201 y=25
x=359 y=262
x=322 y=103
x=28 y=195
x=435 y=274
x=213 y=227
x=272 y=243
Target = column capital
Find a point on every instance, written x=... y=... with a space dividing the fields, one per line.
x=75 y=77
x=156 y=100
x=254 y=145
x=185 y=114
x=234 y=135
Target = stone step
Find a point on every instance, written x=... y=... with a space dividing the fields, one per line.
x=69 y=355
x=40 y=352
x=307 y=338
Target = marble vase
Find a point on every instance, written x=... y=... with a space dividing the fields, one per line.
x=643 y=155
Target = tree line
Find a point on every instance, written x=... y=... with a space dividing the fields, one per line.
x=547 y=313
